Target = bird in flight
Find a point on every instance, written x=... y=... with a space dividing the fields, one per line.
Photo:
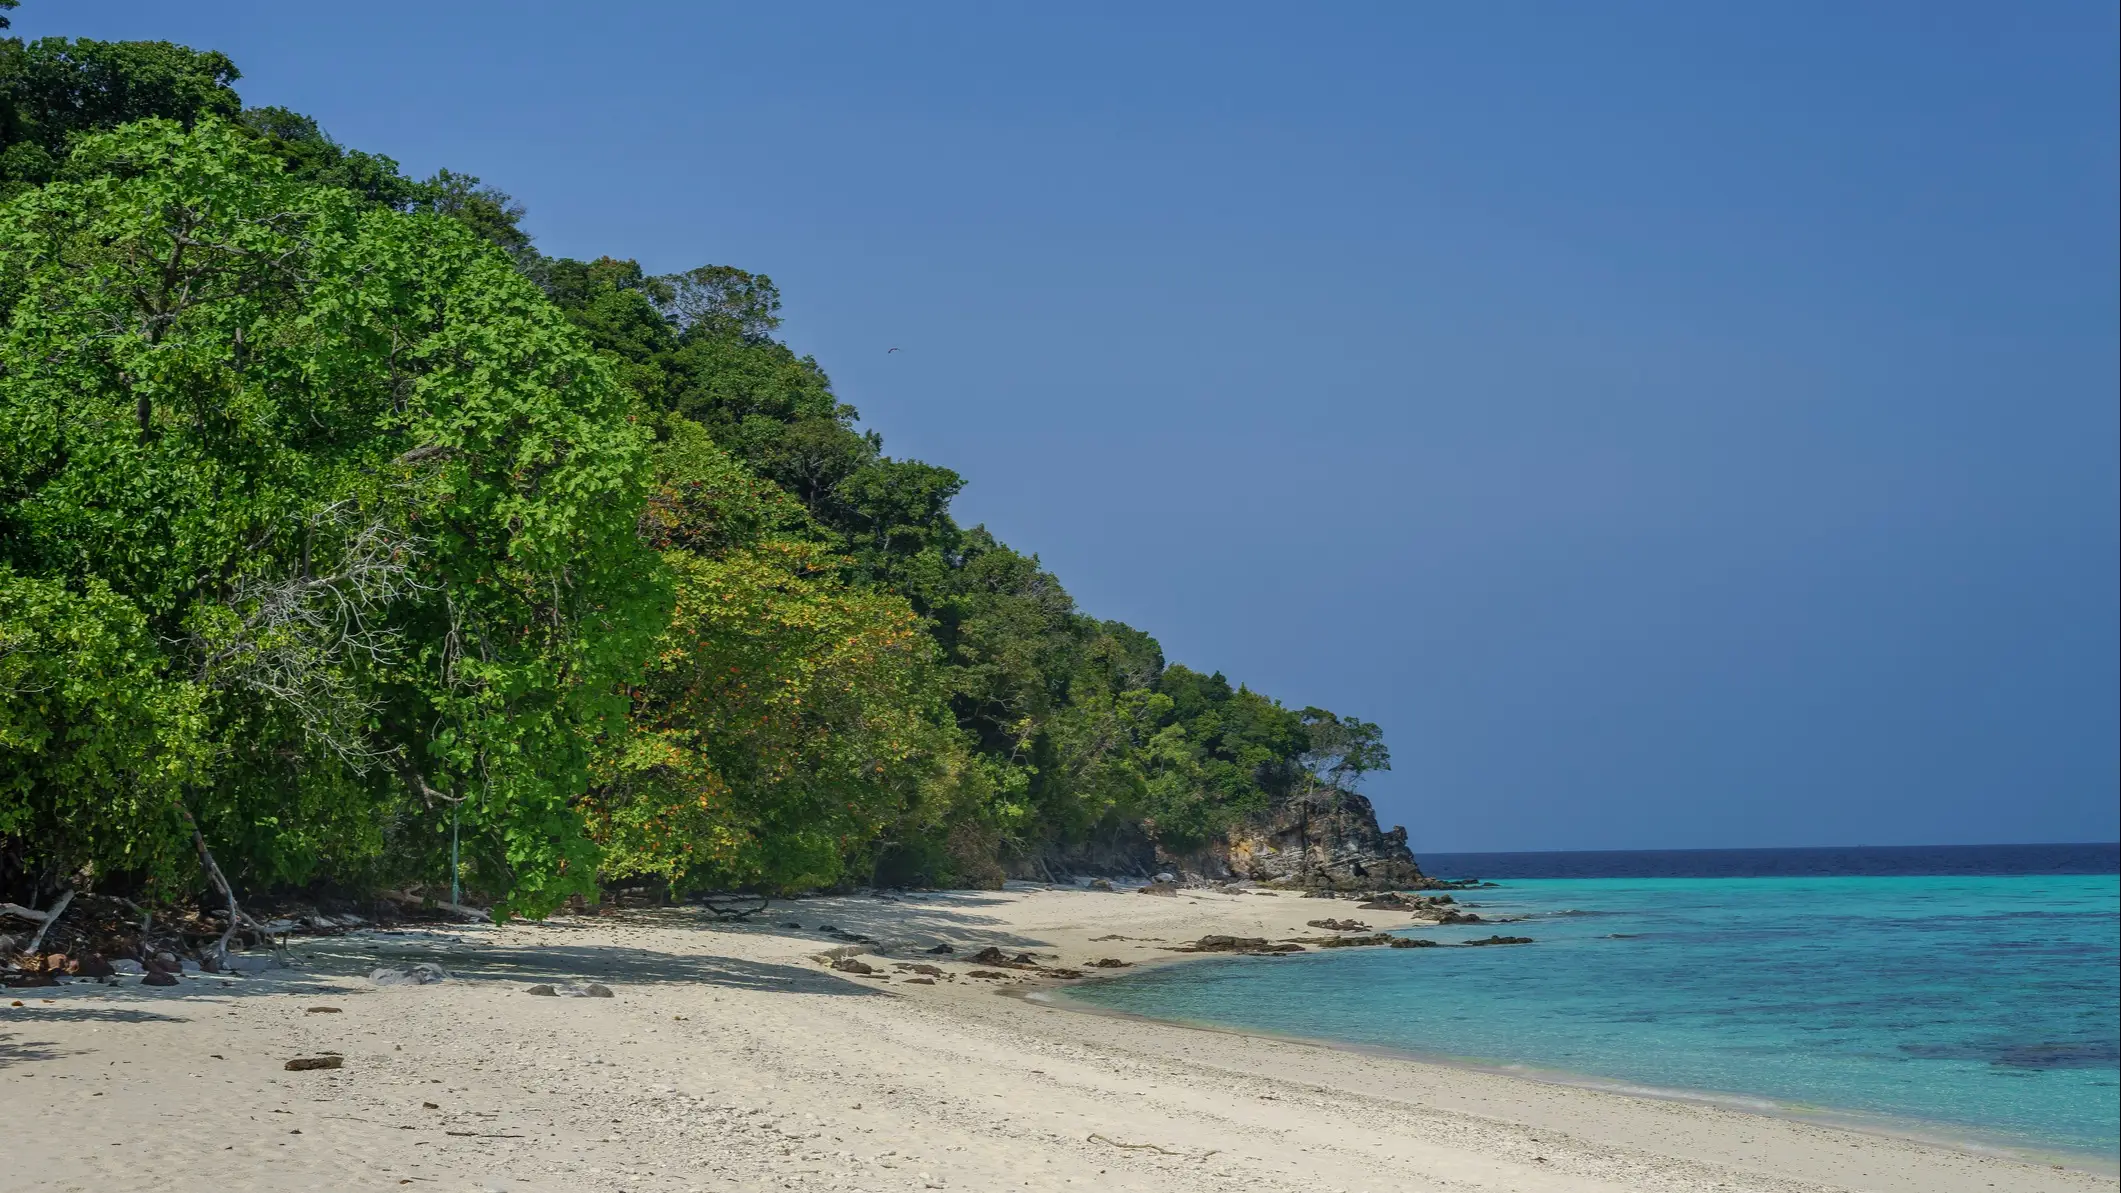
x=889 y=351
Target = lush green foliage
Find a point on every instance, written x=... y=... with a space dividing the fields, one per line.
x=334 y=518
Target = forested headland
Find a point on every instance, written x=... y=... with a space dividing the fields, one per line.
x=346 y=538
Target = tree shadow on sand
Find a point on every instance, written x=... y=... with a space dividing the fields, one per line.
x=902 y=923
x=558 y=962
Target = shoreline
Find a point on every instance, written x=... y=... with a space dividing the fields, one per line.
x=730 y=1057
x=1911 y=1130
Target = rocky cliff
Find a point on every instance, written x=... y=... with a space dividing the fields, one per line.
x=1323 y=840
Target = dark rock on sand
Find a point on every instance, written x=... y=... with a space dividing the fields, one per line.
x=850 y=965
x=1338 y=925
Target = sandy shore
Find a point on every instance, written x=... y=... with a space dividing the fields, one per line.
x=730 y=1058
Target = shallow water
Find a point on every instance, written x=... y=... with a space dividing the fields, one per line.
x=1984 y=1005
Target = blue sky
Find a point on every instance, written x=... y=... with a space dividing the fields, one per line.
x=1677 y=424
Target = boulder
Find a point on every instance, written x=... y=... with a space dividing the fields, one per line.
x=850 y=965
x=423 y=973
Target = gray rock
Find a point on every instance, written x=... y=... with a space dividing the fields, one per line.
x=573 y=990
x=424 y=973
x=250 y=963
x=127 y=965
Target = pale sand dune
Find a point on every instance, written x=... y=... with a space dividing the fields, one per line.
x=730 y=1059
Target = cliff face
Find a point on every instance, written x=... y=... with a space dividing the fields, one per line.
x=1326 y=840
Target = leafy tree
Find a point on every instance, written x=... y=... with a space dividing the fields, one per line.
x=365 y=499
x=54 y=89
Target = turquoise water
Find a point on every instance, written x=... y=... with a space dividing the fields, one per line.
x=1986 y=1006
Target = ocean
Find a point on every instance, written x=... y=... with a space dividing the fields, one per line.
x=1967 y=992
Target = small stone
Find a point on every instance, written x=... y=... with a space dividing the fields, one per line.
x=850 y=965
x=1100 y=884
x=597 y=990
x=942 y=948
x=302 y=1063
x=93 y=966
x=545 y=991
x=159 y=978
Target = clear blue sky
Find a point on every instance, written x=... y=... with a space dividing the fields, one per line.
x=1678 y=424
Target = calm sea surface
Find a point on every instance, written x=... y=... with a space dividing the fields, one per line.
x=1976 y=991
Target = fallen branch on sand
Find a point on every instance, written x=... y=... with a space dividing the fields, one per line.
x=44 y=919
x=1150 y=1147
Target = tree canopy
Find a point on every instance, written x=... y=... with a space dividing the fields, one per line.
x=337 y=524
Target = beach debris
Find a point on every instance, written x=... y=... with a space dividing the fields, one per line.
x=126 y=965
x=850 y=965
x=734 y=907
x=1498 y=940
x=1151 y=1147
x=323 y=1011
x=302 y=1063
x=422 y=973
x=1338 y=925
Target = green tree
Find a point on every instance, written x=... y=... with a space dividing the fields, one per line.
x=344 y=486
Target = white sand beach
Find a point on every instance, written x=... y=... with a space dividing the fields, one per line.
x=730 y=1058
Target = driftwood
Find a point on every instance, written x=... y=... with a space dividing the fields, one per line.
x=733 y=907
x=1150 y=1147
x=43 y=919
x=460 y=910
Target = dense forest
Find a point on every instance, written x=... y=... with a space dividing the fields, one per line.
x=347 y=538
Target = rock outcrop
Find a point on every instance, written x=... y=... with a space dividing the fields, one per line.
x=1324 y=840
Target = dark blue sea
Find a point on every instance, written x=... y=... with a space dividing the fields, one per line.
x=1971 y=991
